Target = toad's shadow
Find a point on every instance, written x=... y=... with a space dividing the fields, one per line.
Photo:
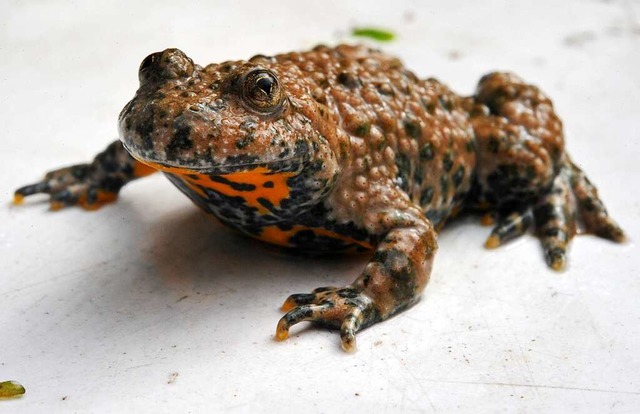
x=193 y=249
x=192 y=256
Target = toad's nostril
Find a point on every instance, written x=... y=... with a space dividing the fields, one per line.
x=169 y=64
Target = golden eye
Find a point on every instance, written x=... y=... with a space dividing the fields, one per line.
x=262 y=91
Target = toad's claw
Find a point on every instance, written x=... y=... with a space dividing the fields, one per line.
x=346 y=309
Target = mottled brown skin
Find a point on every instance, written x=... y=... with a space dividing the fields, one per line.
x=343 y=147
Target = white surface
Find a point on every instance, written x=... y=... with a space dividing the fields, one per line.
x=149 y=306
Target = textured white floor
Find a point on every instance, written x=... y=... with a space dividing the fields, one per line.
x=149 y=306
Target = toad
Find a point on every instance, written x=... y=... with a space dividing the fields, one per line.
x=344 y=148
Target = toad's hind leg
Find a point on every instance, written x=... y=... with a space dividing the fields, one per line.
x=523 y=169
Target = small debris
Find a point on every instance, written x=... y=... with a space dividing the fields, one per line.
x=578 y=39
x=381 y=35
x=172 y=377
x=11 y=389
x=409 y=16
x=454 y=54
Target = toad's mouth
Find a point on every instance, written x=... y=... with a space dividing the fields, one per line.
x=293 y=164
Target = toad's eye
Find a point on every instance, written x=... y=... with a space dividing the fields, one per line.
x=262 y=91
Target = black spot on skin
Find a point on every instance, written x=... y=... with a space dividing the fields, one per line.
x=445 y=102
x=404 y=169
x=234 y=185
x=508 y=181
x=458 y=176
x=300 y=313
x=493 y=145
x=181 y=140
x=426 y=152
x=399 y=268
x=471 y=145
x=418 y=174
x=556 y=190
x=268 y=184
x=310 y=241
x=145 y=128
x=436 y=216
x=447 y=161
x=530 y=172
x=362 y=130
x=444 y=186
x=240 y=160
x=545 y=213
x=348 y=293
x=588 y=204
x=366 y=280
x=349 y=80
x=412 y=128
x=429 y=106
x=552 y=232
x=426 y=196
x=265 y=203
x=248 y=139
x=301 y=148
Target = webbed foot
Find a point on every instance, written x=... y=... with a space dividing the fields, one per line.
x=346 y=309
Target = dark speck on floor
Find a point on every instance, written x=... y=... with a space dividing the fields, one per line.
x=578 y=39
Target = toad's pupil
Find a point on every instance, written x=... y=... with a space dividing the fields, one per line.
x=265 y=83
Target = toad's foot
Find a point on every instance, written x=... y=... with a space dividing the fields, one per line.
x=72 y=186
x=525 y=173
x=88 y=185
x=391 y=281
x=571 y=202
x=345 y=309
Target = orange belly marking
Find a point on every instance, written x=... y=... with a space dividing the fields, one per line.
x=268 y=185
x=275 y=235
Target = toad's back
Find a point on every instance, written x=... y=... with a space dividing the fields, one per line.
x=410 y=138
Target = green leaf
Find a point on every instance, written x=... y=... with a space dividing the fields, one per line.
x=380 y=35
x=9 y=389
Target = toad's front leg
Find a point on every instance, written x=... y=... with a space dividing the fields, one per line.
x=89 y=185
x=391 y=281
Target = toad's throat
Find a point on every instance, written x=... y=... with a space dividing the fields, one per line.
x=258 y=186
